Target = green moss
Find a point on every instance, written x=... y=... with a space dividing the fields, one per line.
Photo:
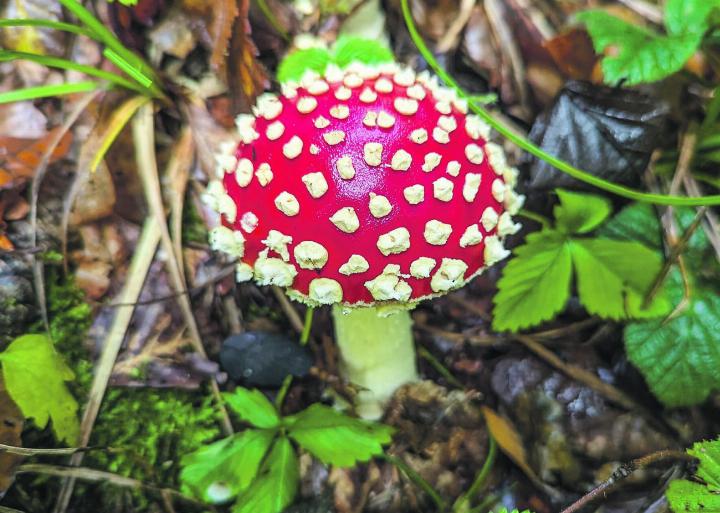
x=193 y=226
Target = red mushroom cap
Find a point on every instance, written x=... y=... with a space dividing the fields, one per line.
x=366 y=185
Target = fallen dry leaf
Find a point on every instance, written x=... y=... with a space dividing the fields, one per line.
x=11 y=426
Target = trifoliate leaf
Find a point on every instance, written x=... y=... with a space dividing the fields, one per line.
x=276 y=485
x=35 y=376
x=638 y=222
x=679 y=357
x=687 y=496
x=219 y=471
x=639 y=54
x=610 y=271
x=535 y=284
x=683 y=16
x=349 y=49
x=336 y=439
x=252 y=407
x=294 y=65
x=580 y=213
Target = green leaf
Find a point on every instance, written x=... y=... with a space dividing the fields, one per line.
x=350 y=49
x=294 y=65
x=609 y=271
x=688 y=496
x=638 y=222
x=535 y=284
x=336 y=439
x=679 y=357
x=640 y=55
x=253 y=407
x=276 y=486
x=221 y=470
x=580 y=213
x=683 y=16
x=46 y=91
x=35 y=376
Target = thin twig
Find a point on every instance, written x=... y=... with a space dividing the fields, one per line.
x=29 y=451
x=418 y=480
x=287 y=307
x=622 y=472
x=464 y=500
x=439 y=367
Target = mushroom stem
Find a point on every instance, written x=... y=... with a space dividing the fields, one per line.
x=377 y=353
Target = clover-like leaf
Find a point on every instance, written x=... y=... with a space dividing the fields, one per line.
x=253 y=407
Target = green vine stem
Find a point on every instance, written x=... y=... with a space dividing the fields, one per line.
x=525 y=144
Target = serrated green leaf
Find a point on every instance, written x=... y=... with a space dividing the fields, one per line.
x=535 y=284
x=336 y=439
x=608 y=271
x=637 y=221
x=276 y=486
x=640 y=55
x=679 y=357
x=683 y=16
x=253 y=407
x=580 y=213
x=295 y=64
x=221 y=470
x=350 y=49
x=708 y=453
x=35 y=376
x=688 y=497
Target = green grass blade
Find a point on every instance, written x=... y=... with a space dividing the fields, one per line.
x=128 y=68
x=48 y=24
x=32 y=93
x=57 y=62
x=110 y=40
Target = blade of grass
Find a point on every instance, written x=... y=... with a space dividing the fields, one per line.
x=48 y=24
x=57 y=62
x=139 y=266
x=112 y=42
x=118 y=120
x=125 y=66
x=33 y=93
x=527 y=145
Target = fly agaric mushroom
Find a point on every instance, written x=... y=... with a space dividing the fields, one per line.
x=370 y=189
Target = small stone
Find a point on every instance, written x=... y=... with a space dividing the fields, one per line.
x=394 y=242
x=471 y=236
x=334 y=137
x=432 y=160
x=405 y=77
x=436 y=232
x=401 y=161
x=422 y=267
x=268 y=106
x=414 y=194
x=489 y=219
x=274 y=130
x=417 y=92
x=318 y=87
x=406 y=106
x=273 y=271
x=498 y=190
x=443 y=107
x=506 y=226
x=494 y=250
x=372 y=153
x=314 y=149
x=443 y=189
x=476 y=128
x=388 y=286
x=310 y=255
x=419 y=135
x=306 y=104
x=249 y=221
x=345 y=167
x=245 y=124
x=474 y=153
x=228 y=241
x=496 y=156
x=379 y=205
x=243 y=272
x=264 y=174
x=356 y=264
x=343 y=93
x=346 y=220
x=315 y=184
x=352 y=81
x=293 y=147
x=287 y=204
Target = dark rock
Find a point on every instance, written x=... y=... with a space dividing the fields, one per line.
x=263 y=359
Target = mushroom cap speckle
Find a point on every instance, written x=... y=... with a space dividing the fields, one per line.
x=364 y=186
